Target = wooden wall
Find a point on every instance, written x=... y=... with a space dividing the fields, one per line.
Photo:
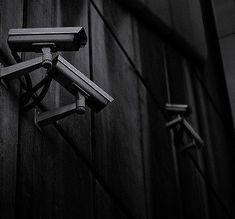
x=225 y=17
x=121 y=162
x=9 y=113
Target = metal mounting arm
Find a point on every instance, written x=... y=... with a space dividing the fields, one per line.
x=45 y=118
x=20 y=69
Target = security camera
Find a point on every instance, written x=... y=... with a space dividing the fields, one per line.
x=179 y=124
x=178 y=109
x=74 y=81
x=46 y=40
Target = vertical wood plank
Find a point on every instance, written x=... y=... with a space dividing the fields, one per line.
x=196 y=100
x=228 y=52
x=77 y=126
x=177 y=18
x=9 y=111
x=223 y=134
x=225 y=17
x=117 y=128
x=182 y=93
x=161 y=8
x=53 y=181
x=187 y=22
x=39 y=154
x=158 y=153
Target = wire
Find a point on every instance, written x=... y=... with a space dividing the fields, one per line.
x=40 y=97
x=28 y=86
x=27 y=77
x=26 y=95
x=25 y=98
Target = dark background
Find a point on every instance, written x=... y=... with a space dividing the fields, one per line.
x=122 y=162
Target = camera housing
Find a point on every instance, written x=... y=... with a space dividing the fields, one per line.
x=74 y=81
x=178 y=109
x=46 y=40
x=58 y=39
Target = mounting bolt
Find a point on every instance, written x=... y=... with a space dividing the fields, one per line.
x=80 y=104
x=46 y=57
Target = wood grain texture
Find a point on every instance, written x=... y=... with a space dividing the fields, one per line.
x=175 y=20
x=225 y=20
x=187 y=21
x=117 y=128
x=159 y=160
x=119 y=163
x=9 y=111
x=78 y=127
x=217 y=157
x=8 y=152
x=194 y=96
x=161 y=8
x=53 y=181
x=228 y=52
x=193 y=48
x=181 y=92
x=106 y=207
x=214 y=79
x=186 y=87
x=8 y=21
x=225 y=17
x=190 y=182
x=40 y=157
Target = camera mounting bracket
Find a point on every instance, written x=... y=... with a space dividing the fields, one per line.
x=20 y=69
x=45 y=118
x=46 y=49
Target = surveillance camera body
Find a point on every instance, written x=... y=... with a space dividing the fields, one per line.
x=178 y=109
x=58 y=39
x=74 y=81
